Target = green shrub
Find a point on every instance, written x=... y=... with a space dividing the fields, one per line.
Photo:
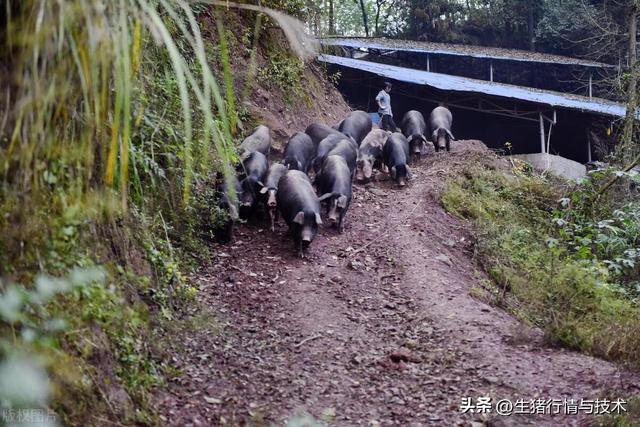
x=539 y=271
x=286 y=73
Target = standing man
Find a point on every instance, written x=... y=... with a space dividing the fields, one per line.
x=384 y=109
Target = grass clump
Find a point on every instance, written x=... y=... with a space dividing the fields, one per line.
x=285 y=72
x=119 y=123
x=538 y=270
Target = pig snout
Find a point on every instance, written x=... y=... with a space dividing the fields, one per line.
x=271 y=202
x=306 y=236
x=333 y=216
x=402 y=182
x=367 y=171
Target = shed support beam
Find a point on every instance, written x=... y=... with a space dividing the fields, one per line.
x=590 y=85
x=491 y=71
x=542 y=139
x=428 y=62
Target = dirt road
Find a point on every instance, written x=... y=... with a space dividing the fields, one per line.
x=377 y=327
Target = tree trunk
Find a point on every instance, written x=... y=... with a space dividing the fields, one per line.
x=332 y=25
x=632 y=99
x=364 y=18
x=379 y=8
x=530 y=24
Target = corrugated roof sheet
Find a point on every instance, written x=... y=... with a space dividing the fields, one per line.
x=460 y=50
x=465 y=84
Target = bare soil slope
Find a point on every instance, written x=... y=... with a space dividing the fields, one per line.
x=377 y=326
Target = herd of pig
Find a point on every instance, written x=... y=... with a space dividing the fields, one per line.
x=337 y=155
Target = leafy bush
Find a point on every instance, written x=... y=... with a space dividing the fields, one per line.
x=286 y=73
x=541 y=270
x=25 y=311
x=605 y=229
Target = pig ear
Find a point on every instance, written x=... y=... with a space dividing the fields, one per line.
x=324 y=197
x=393 y=172
x=263 y=190
x=434 y=136
x=318 y=220
x=260 y=183
x=450 y=134
x=299 y=219
x=342 y=202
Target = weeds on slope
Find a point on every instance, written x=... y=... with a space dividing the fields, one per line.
x=113 y=124
x=556 y=258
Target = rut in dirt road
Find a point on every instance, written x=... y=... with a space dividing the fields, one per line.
x=376 y=327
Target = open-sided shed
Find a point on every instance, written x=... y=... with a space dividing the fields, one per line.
x=518 y=67
x=524 y=103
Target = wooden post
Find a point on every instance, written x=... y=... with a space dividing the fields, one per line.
x=491 y=71
x=428 y=63
x=588 y=146
x=541 y=132
x=590 y=84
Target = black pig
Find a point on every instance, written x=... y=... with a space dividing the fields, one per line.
x=300 y=208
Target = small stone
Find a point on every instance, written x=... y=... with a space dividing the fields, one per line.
x=400 y=355
x=491 y=380
x=445 y=259
x=356 y=265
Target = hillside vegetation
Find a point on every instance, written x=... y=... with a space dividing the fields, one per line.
x=560 y=256
x=123 y=117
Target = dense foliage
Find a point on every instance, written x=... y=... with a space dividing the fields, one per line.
x=118 y=118
x=592 y=28
x=558 y=256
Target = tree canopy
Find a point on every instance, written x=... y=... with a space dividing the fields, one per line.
x=589 y=28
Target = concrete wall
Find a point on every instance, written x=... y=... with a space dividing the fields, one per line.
x=556 y=165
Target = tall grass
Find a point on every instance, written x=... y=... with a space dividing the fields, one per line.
x=77 y=96
x=79 y=113
x=112 y=113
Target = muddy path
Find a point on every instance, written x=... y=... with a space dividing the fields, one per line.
x=378 y=326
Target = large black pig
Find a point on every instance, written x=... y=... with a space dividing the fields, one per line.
x=300 y=208
x=396 y=154
x=356 y=125
x=299 y=152
x=326 y=145
x=370 y=153
x=334 y=183
x=270 y=189
x=348 y=150
x=440 y=122
x=255 y=167
x=317 y=132
x=259 y=140
x=414 y=128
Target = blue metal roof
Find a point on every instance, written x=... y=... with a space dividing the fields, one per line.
x=461 y=50
x=465 y=84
